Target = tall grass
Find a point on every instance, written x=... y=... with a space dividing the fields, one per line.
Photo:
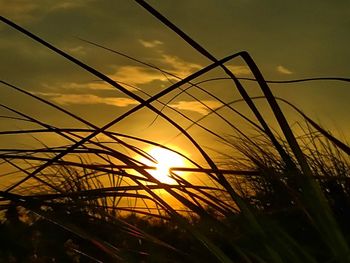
x=281 y=200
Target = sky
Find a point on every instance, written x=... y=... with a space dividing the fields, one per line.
x=287 y=40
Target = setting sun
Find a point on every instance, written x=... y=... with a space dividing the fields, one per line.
x=165 y=160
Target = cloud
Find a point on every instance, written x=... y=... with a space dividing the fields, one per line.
x=283 y=70
x=69 y=4
x=129 y=76
x=87 y=99
x=24 y=10
x=136 y=75
x=150 y=44
x=239 y=70
x=179 y=67
x=94 y=85
x=77 y=50
x=20 y=10
x=46 y=94
x=196 y=106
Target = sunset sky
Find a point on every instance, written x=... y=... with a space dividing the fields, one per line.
x=287 y=39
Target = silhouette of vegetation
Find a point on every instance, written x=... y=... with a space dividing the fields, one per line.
x=283 y=196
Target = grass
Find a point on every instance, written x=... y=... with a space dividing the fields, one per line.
x=285 y=199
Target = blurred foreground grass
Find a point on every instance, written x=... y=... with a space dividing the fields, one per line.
x=285 y=199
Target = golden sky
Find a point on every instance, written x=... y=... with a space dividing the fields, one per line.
x=287 y=39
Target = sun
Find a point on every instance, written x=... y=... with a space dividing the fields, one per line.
x=166 y=159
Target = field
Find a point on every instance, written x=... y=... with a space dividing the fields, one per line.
x=274 y=192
